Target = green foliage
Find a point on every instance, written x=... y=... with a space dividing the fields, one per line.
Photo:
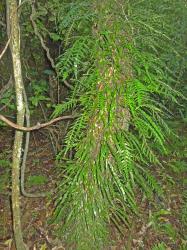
x=8 y=100
x=160 y=221
x=178 y=166
x=36 y=180
x=158 y=217
x=184 y=213
x=160 y=246
x=122 y=66
x=170 y=231
x=4 y=163
x=4 y=172
x=39 y=93
x=125 y=61
x=72 y=62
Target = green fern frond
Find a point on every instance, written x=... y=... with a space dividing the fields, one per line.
x=72 y=62
x=76 y=132
x=121 y=78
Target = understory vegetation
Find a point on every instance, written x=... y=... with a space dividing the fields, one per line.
x=119 y=69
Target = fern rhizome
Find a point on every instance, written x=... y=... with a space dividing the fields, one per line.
x=116 y=58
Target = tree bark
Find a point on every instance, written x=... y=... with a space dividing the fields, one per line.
x=14 y=32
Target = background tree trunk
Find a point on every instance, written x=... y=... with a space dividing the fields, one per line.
x=13 y=31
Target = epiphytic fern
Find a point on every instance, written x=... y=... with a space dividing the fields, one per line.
x=119 y=70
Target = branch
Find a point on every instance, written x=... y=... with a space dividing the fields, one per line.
x=66 y=83
x=26 y=149
x=5 y=48
x=38 y=125
x=46 y=49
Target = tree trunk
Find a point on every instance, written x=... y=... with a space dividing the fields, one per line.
x=13 y=31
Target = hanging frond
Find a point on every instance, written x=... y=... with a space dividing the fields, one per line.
x=116 y=57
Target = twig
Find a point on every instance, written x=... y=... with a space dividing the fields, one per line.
x=46 y=49
x=38 y=125
x=51 y=135
x=66 y=83
x=5 y=48
x=141 y=235
x=26 y=149
x=41 y=38
x=41 y=232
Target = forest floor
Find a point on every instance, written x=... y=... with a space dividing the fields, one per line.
x=162 y=223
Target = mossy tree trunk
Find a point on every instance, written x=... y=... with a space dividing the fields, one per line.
x=13 y=31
